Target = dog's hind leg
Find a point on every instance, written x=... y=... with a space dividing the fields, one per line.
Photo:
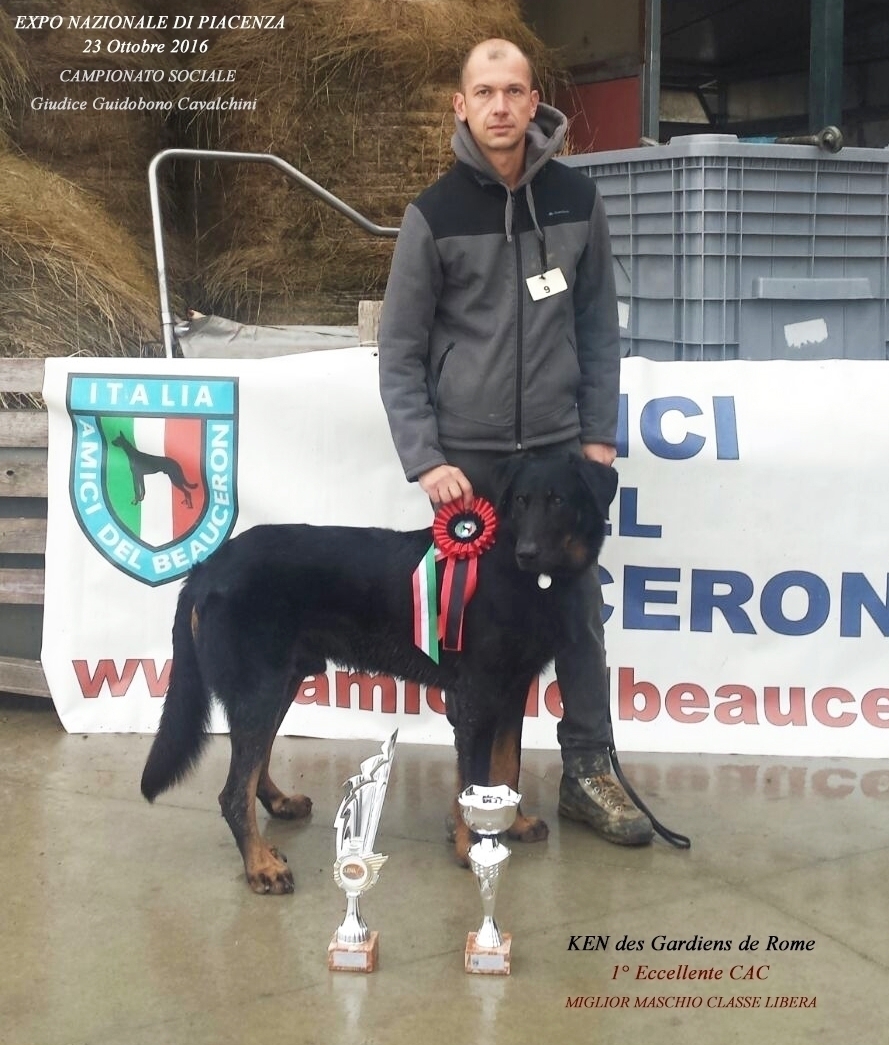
x=252 y=729
x=278 y=804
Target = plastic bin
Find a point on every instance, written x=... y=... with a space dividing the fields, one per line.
x=726 y=249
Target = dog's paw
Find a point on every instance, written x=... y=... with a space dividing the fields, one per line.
x=269 y=873
x=290 y=807
x=529 y=829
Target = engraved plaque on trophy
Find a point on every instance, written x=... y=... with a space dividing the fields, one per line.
x=488 y=811
x=355 y=948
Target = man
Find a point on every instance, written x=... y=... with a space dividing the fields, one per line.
x=499 y=333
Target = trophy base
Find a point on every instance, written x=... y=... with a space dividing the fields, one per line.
x=490 y=961
x=354 y=957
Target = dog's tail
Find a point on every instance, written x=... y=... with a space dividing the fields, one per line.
x=181 y=734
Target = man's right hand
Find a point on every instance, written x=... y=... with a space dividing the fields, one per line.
x=446 y=483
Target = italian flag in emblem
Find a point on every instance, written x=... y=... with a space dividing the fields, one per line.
x=163 y=456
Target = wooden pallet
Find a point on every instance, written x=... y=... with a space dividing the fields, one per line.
x=23 y=456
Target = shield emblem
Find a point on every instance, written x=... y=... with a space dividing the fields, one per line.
x=153 y=469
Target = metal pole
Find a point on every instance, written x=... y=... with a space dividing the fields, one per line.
x=825 y=64
x=651 y=71
x=167 y=320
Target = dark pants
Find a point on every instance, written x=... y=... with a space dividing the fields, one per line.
x=584 y=732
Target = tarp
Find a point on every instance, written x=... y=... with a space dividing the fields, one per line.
x=745 y=579
x=215 y=337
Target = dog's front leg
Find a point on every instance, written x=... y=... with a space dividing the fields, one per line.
x=473 y=739
x=506 y=758
x=506 y=763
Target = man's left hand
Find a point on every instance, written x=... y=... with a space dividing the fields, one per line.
x=601 y=452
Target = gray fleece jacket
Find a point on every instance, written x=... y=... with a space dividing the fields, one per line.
x=468 y=359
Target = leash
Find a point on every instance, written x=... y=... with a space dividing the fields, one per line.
x=673 y=837
x=668 y=835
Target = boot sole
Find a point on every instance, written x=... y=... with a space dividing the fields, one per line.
x=641 y=835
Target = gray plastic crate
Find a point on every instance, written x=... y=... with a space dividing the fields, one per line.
x=726 y=249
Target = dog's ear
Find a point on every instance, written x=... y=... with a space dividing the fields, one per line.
x=504 y=473
x=600 y=480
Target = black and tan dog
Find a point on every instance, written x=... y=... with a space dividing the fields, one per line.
x=277 y=602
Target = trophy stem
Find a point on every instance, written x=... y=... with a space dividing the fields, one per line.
x=488 y=934
x=488 y=859
x=354 y=928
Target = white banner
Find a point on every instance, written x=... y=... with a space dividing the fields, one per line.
x=746 y=577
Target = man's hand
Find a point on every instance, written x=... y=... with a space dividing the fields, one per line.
x=446 y=483
x=601 y=452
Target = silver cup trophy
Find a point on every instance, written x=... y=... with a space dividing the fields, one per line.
x=354 y=948
x=488 y=811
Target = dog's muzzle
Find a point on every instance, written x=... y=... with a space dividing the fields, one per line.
x=527 y=554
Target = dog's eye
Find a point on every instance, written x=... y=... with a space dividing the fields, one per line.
x=521 y=500
x=556 y=500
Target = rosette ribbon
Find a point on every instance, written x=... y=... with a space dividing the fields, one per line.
x=459 y=536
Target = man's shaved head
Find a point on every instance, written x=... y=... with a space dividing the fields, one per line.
x=495 y=50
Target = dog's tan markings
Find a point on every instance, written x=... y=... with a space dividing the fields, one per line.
x=505 y=765
x=286 y=807
x=267 y=871
x=575 y=551
x=462 y=836
x=505 y=759
x=265 y=867
x=528 y=828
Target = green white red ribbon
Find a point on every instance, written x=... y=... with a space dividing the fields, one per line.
x=426 y=605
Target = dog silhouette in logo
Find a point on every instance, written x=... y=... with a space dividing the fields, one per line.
x=142 y=464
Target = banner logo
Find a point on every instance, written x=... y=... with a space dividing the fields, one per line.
x=153 y=469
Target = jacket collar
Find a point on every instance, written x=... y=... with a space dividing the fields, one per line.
x=544 y=137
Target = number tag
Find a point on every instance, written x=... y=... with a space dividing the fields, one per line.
x=547 y=284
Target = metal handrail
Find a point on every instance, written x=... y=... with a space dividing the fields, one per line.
x=167 y=322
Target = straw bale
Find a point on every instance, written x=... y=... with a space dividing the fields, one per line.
x=74 y=283
x=357 y=95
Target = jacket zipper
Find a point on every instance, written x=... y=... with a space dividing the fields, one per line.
x=518 y=365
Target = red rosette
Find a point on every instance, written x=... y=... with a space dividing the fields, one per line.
x=464 y=533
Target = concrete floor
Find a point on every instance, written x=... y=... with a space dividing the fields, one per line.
x=127 y=924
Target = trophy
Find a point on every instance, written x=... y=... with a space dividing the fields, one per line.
x=488 y=811
x=353 y=947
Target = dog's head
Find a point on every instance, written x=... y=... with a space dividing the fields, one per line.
x=555 y=509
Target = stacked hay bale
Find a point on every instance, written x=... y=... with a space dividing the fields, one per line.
x=357 y=95
x=75 y=232
x=105 y=152
x=13 y=76
x=74 y=282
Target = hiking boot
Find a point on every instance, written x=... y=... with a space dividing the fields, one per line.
x=601 y=802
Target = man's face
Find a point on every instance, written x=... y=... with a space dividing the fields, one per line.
x=497 y=101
